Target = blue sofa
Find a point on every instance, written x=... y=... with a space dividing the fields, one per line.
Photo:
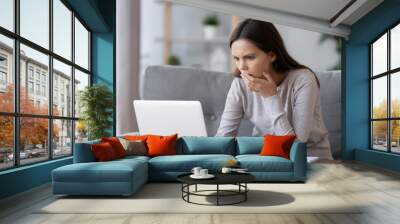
x=125 y=176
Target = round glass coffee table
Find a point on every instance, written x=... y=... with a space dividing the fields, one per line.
x=238 y=179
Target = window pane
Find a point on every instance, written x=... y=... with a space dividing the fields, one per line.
x=62 y=141
x=6 y=74
x=62 y=29
x=81 y=45
x=379 y=100
x=33 y=140
x=81 y=81
x=379 y=55
x=395 y=47
x=395 y=94
x=81 y=131
x=6 y=142
x=395 y=138
x=34 y=81
x=62 y=89
x=35 y=21
x=379 y=135
x=7 y=14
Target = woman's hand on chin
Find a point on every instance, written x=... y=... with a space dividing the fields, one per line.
x=265 y=86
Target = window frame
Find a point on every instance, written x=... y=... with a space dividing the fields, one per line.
x=16 y=114
x=388 y=74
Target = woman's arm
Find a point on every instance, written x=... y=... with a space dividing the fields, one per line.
x=233 y=112
x=305 y=98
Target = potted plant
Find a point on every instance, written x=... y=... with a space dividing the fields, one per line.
x=210 y=23
x=174 y=60
x=96 y=102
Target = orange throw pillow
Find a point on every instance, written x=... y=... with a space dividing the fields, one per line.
x=136 y=137
x=116 y=145
x=103 y=151
x=161 y=145
x=277 y=145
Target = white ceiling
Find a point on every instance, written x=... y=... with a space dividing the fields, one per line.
x=321 y=9
x=314 y=15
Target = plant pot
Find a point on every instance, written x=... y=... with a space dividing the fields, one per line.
x=210 y=32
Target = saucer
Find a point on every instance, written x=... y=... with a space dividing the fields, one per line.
x=208 y=176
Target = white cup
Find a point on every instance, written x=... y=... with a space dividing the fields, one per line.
x=226 y=170
x=203 y=172
x=196 y=170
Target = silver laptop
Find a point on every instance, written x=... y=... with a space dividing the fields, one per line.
x=165 y=117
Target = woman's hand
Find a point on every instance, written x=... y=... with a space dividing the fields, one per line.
x=264 y=86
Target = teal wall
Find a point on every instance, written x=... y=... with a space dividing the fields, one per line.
x=24 y=178
x=355 y=92
x=103 y=63
x=99 y=16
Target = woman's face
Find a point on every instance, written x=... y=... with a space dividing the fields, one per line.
x=249 y=59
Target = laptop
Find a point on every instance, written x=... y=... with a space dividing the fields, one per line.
x=166 y=117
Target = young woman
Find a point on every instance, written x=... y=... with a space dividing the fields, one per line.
x=276 y=93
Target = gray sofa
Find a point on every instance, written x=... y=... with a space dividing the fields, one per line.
x=162 y=82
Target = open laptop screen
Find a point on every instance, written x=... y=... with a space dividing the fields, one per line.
x=165 y=117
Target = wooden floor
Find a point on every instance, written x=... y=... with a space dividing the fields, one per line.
x=377 y=188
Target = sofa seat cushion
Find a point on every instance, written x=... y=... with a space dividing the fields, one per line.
x=133 y=158
x=257 y=163
x=190 y=145
x=185 y=163
x=111 y=171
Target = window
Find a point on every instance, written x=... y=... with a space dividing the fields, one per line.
x=34 y=21
x=62 y=29
x=54 y=125
x=3 y=61
x=6 y=80
x=38 y=89
x=37 y=75
x=43 y=90
x=30 y=87
x=81 y=45
x=3 y=78
x=30 y=72
x=7 y=14
x=62 y=74
x=3 y=72
x=385 y=95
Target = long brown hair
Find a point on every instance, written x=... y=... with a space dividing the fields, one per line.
x=267 y=38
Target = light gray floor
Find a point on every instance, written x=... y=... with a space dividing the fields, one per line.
x=379 y=189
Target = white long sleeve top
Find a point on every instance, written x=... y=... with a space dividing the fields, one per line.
x=295 y=109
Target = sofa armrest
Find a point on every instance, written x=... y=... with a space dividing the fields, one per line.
x=83 y=152
x=298 y=156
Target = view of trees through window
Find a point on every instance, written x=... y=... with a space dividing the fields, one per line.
x=385 y=92
x=39 y=112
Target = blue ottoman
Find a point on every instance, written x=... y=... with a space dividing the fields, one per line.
x=118 y=177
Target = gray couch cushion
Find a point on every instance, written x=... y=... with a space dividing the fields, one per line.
x=163 y=82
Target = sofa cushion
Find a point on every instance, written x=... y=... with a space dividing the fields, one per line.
x=103 y=152
x=277 y=145
x=257 y=163
x=111 y=171
x=207 y=145
x=134 y=147
x=249 y=145
x=185 y=163
x=159 y=145
x=83 y=152
x=116 y=145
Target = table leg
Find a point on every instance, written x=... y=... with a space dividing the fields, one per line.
x=217 y=194
x=245 y=193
